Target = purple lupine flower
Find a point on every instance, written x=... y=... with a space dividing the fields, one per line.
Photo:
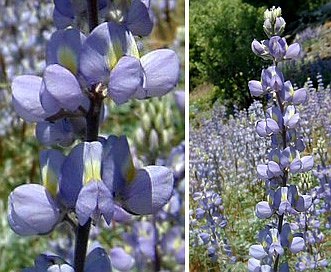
x=275 y=246
x=290 y=157
x=92 y=175
x=293 y=51
x=139 y=191
x=142 y=240
x=257 y=252
x=269 y=171
x=297 y=97
x=275 y=114
x=277 y=47
x=64 y=48
x=295 y=244
x=81 y=185
x=65 y=12
x=212 y=253
x=63 y=131
x=61 y=87
x=121 y=260
x=96 y=261
x=32 y=210
x=110 y=55
x=272 y=78
x=255 y=265
x=62 y=90
x=27 y=103
x=256 y=88
x=43 y=262
x=261 y=49
x=102 y=51
x=121 y=216
x=291 y=117
x=270 y=239
x=264 y=210
x=287 y=199
x=135 y=15
x=62 y=73
x=205 y=237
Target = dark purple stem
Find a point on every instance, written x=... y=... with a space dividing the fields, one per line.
x=92 y=131
x=92 y=10
x=285 y=176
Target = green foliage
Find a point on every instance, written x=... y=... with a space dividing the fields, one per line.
x=221 y=33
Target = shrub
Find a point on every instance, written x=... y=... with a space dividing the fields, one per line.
x=220 y=33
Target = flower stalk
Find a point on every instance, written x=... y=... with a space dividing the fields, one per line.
x=280 y=125
x=92 y=132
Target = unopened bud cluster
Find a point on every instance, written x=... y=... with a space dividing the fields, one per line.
x=274 y=24
x=156 y=130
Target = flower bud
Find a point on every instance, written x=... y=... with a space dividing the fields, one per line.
x=140 y=136
x=274 y=24
x=121 y=259
x=146 y=122
x=159 y=122
x=151 y=109
x=153 y=140
x=272 y=14
x=279 y=26
x=168 y=117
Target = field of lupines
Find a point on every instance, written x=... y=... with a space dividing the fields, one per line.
x=260 y=180
x=67 y=180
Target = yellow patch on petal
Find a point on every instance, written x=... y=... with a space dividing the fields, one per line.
x=284 y=191
x=92 y=171
x=275 y=158
x=129 y=170
x=291 y=114
x=115 y=51
x=114 y=54
x=291 y=90
x=133 y=49
x=274 y=237
x=50 y=180
x=269 y=199
x=68 y=59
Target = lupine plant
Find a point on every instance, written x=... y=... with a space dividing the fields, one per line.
x=280 y=124
x=92 y=180
x=234 y=158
